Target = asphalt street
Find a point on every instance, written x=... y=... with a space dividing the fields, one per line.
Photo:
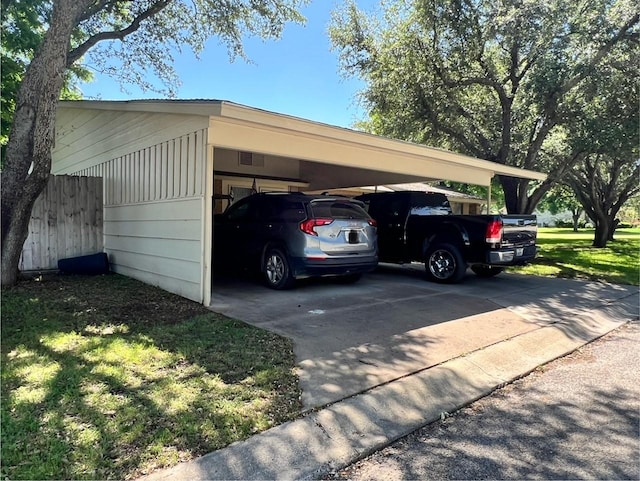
x=575 y=418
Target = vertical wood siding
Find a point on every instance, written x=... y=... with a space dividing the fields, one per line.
x=87 y=138
x=153 y=213
x=153 y=170
x=170 y=170
x=66 y=221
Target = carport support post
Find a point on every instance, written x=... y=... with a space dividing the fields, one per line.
x=489 y=198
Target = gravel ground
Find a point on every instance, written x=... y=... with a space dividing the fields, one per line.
x=575 y=418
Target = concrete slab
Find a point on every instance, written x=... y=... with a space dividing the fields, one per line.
x=351 y=338
x=353 y=370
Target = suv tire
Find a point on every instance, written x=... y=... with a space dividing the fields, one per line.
x=277 y=269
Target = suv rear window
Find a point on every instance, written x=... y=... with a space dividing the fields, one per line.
x=290 y=210
x=337 y=209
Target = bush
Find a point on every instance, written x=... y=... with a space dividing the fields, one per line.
x=564 y=223
x=569 y=224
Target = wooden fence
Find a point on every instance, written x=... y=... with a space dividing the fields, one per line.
x=66 y=221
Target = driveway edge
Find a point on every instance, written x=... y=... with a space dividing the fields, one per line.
x=346 y=431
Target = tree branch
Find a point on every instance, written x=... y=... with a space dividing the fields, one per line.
x=447 y=129
x=97 y=7
x=602 y=51
x=80 y=50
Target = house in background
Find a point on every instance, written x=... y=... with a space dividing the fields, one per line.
x=461 y=203
x=164 y=163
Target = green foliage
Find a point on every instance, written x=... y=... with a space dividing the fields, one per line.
x=108 y=378
x=559 y=199
x=21 y=35
x=608 y=131
x=501 y=81
x=23 y=28
x=630 y=212
x=178 y=25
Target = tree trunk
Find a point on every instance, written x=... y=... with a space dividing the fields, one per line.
x=28 y=160
x=575 y=215
x=612 y=229
x=603 y=232
x=510 y=188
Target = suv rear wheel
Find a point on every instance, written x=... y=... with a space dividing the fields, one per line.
x=277 y=269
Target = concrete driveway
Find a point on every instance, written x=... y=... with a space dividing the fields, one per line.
x=393 y=323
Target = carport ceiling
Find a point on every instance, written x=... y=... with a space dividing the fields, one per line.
x=320 y=177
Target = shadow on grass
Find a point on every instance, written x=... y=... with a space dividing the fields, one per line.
x=109 y=378
x=617 y=263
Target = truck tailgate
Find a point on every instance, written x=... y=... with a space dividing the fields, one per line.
x=519 y=230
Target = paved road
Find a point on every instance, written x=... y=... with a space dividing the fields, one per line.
x=575 y=418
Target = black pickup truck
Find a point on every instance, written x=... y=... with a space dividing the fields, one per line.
x=419 y=226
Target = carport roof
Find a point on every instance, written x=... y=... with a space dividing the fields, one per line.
x=357 y=158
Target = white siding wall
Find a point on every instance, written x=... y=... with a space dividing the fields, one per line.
x=87 y=138
x=153 y=192
x=158 y=243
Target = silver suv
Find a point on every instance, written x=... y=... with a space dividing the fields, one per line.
x=289 y=236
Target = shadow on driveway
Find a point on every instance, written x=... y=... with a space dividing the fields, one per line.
x=351 y=337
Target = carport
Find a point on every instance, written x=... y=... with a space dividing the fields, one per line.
x=356 y=158
x=163 y=161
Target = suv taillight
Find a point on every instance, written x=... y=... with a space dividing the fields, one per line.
x=494 y=232
x=308 y=225
x=373 y=222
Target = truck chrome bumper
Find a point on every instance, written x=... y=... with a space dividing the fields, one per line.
x=513 y=256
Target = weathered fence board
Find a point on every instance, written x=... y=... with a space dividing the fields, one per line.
x=66 y=221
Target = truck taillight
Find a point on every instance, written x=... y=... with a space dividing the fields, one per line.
x=309 y=225
x=494 y=232
x=373 y=222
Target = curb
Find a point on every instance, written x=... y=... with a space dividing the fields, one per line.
x=338 y=435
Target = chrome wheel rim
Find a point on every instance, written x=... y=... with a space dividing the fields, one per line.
x=275 y=269
x=442 y=264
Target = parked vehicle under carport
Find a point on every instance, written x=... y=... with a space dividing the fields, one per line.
x=289 y=236
x=419 y=227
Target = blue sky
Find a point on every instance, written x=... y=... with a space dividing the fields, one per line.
x=297 y=75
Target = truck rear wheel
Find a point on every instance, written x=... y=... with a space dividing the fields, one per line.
x=444 y=263
x=486 y=271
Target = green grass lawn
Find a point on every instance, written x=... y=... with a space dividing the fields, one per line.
x=568 y=254
x=106 y=377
